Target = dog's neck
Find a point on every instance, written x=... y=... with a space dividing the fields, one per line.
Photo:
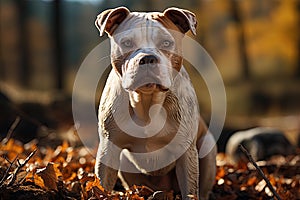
x=141 y=104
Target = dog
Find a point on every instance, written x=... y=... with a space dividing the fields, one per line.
x=150 y=128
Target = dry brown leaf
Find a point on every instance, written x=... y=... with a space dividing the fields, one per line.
x=38 y=181
x=251 y=181
x=64 y=146
x=272 y=179
x=49 y=176
x=220 y=173
x=12 y=148
x=142 y=190
x=56 y=170
x=95 y=183
x=98 y=193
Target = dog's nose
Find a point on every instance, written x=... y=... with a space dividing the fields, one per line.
x=148 y=59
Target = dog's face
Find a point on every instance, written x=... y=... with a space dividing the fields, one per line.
x=146 y=64
x=146 y=47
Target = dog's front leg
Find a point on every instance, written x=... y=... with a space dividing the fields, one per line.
x=207 y=173
x=107 y=164
x=187 y=172
x=207 y=165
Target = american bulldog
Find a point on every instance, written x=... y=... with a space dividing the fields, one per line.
x=149 y=123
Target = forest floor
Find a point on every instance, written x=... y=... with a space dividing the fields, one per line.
x=30 y=171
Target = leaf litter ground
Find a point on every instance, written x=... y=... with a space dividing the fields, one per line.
x=64 y=172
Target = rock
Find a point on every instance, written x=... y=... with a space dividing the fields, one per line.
x=261 y=143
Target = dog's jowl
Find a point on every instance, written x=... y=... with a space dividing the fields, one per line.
x=149 y=123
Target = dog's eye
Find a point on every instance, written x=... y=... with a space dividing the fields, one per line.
x=167 y=43
x=127 y=43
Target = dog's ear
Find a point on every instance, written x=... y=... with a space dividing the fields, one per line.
x=183 y=19
x=108 y=20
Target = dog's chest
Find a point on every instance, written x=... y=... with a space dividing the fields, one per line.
x=147 y=140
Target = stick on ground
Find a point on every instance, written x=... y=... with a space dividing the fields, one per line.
x=244 y=150
x=11 y=130
x=7 y=171
x=20 y=165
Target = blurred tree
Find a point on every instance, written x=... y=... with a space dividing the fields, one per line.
x=298 y=61
x=59 y=71
x=25 y=69
x=241 y=38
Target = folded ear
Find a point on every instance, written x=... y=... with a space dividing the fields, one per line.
x=183 y=19
x=108 y=20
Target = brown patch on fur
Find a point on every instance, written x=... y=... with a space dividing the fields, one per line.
x=160 y=17
x=118 y=60
x=109 y=20
x=176 y=59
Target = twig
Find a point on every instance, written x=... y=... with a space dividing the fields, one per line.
x=5 y=157
x=11 y=130
x=7 y=171
x=20 y=165
x=244 y=150
x=23 y=179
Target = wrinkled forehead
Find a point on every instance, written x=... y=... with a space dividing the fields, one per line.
x=143 y=26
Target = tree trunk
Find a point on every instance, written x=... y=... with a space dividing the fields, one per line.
x=298 y=57
x=59 y=70
x=241 y=39
x=24 y=49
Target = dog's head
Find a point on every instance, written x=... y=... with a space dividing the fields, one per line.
x=146 y=47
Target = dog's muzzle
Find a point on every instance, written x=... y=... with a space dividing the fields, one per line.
x=145 y=73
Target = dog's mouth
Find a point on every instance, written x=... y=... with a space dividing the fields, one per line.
x=151 y=87
x=146 y=84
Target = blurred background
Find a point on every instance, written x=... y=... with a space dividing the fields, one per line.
x=255 y=45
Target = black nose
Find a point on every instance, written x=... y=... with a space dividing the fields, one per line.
x=149 y=59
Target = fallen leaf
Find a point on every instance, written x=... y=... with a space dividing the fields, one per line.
x=220 y=173
x=38 y=181
x=251 y=181
x=95 y=183
x=98 y=193
x=49 y=176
